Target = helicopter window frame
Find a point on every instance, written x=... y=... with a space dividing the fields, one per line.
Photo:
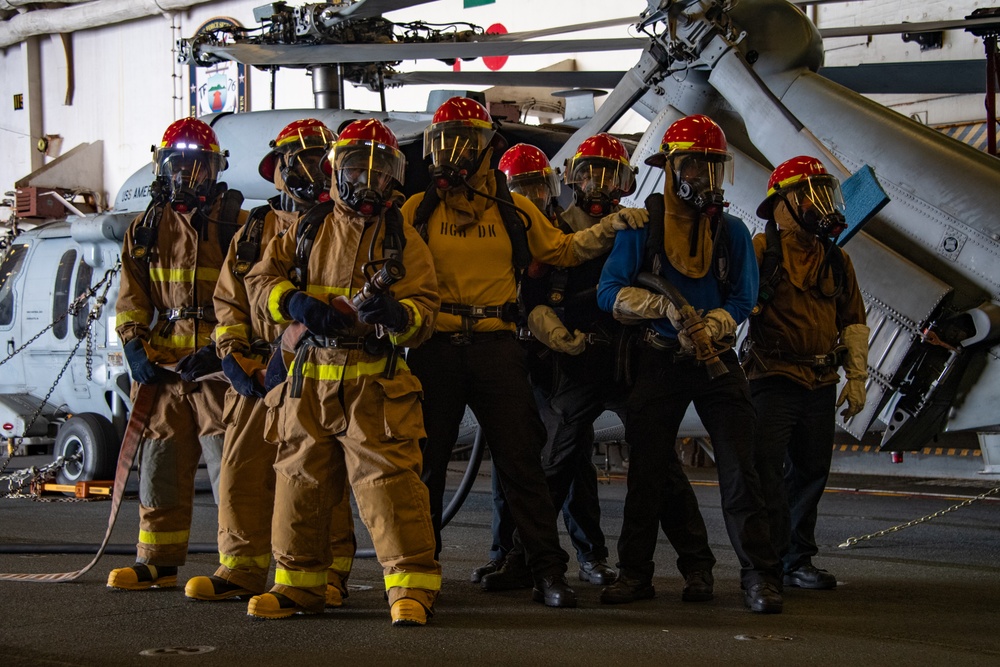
x=60 y=293
x=12 y=264
x=84 y=271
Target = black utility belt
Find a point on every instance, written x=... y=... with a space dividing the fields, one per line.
x=371 y=343
x=833 y=359
x=206 y=313
x=657 y=341
x=507 y=312
x=470 y=337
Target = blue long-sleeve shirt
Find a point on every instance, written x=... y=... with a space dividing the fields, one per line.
x=628 y=255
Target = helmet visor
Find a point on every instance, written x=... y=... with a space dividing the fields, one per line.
x=456 y=143
x=307 y=164
x=819 y=204
x=591 y=174
x=186 y=167
x=367 y=164
x=706 y=172
x=539 y=187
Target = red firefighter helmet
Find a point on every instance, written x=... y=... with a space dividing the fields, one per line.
x=187 y=163
x=367 y=164
x=601 y=163
x=529 y=173
x=460 y=130
x=812 y=194
x=698 y=156
x=696 y=134
x=300 y=135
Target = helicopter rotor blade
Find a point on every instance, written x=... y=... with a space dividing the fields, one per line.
x=320 y=54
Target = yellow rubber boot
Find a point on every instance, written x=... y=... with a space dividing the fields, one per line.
x=407 y=612
x=273 y=605
x=141 y=576
x=334 y=596
x=213 y=588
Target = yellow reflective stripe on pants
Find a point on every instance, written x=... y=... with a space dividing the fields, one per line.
x=342 y=564
x=299 y=579
x=175 y=537
x=338 y=373
x=172 y=341
x=323 y=289
x=261 y=562
x=427 y=582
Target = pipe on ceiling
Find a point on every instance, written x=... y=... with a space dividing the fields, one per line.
x=82 y=16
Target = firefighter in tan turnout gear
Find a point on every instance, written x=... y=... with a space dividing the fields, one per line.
x=170 y=265
x=364 y=288
x=246 y=482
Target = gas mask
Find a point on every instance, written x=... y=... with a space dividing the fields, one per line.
x=365 y=178
x=598 y=183
x=698 y=181
x=187 y=179
x=303 y=175
x=456 y=152
x=817 y=206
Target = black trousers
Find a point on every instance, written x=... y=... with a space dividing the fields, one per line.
x=794 y=450
x=656 y=406
x=490 y=377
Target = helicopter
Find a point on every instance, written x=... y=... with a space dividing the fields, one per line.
x=926 y=262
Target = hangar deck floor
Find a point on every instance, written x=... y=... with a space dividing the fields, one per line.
x=926 y=595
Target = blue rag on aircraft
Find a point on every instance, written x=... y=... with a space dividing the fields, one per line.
x=863 y=197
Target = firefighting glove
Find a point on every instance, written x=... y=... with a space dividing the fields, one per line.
x=719 y=324
x=546 y=326
x=276 y=371
x=318 y=316
x=142 y=369
x=242 y=374
x=627 y=218
x=855 y=339
x=385 y=310
x=199 y=363
x=635 y=304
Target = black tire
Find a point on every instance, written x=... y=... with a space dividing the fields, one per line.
x=95 y=438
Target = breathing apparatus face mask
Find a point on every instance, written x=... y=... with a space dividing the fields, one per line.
x=188 y=176
x=456 y=151
x=303 y=175
x=699 y=180
x=366 y=174
x=540 y=189
x=817 y=206
x=598 y=184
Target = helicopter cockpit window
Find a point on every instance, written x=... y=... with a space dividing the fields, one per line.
x=60 y=296
x=84 y=275
x=8 y=273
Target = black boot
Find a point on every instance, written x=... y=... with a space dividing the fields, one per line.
x=554 y=591
x=512 y=575
x=763 y=598
x=483 y=570
x=627 y=589
x=698 y=586
x=598 y=572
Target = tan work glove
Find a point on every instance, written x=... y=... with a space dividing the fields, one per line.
x=546 y=326
x=636 y=304
x=598 y=239
x=855 y=338
x=719 y=324
x=627 y=218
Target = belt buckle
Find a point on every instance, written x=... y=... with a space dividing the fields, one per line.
x=460 y=339
x=479 y=312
